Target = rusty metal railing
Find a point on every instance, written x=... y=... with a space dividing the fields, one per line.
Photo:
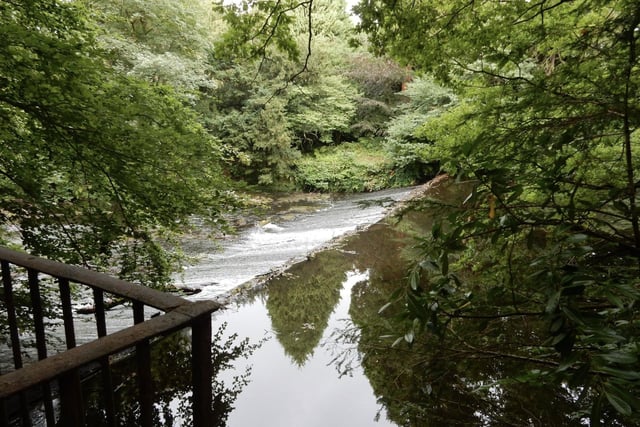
x=57 y=379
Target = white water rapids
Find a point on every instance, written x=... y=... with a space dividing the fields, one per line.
x=262 y=248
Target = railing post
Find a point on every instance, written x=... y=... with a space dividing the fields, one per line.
x=41 y=343
x=145 y=380
x=71 y=401
x=201 y=371
x=67 y=313
x=107 y=381
x=7 y=284
x=4 y=420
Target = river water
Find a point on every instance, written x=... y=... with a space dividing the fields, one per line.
x=299 y=227
x=324 y=357
x=296 y=315
x=327 y=359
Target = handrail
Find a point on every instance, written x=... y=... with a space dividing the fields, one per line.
x=151 y=297
x=61 y=363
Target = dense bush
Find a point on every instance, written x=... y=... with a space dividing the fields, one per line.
x=351 y=167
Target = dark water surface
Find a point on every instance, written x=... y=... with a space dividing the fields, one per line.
x=328 y=360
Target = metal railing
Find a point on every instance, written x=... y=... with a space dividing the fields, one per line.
x=56 y=380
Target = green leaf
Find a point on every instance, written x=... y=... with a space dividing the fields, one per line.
x=621 y=357
x=553 y=302
x=619 y=399
x=444 y=263
x=628 y=375
x=577 y=238
x=436 y=230
x=556 y=325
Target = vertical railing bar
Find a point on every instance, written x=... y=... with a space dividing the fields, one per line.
x=4 y=419
x=71 y=401
x=98 y=304
x=108 y=392
x=11 y=315
x=138 y=312
x=143 y=361
x=67 y=312
x=145 y=386
x=107 y=380
x=3 y=413
x=7 y=284
x=38 y=313
x=41 y=343
x=201 y=371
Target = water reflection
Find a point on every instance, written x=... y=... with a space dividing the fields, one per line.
x=284 y=392
x=442 y=382
x=172 y=384
x=332 y=362
x=300 y=302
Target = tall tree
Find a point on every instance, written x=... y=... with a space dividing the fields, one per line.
x=547 y=128
x=162 y=42
x=278 y=100
x=95 y=165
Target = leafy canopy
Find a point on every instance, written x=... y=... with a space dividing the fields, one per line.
x=546 y=128
x=95 y=165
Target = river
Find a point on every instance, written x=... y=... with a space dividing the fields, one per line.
x=297 y=227
x=301 y=341
x=326 y=356
x=293 y=381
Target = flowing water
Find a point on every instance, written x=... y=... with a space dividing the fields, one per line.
x=300 y=227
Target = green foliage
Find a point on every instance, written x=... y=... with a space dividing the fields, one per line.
x=259 y=141
x=322 y=110
x=547 y=128
x=413 y=153
x=425 y=100
x=272 y=104
x=95 y=166
x=164 y=42
x=253 y=27
x=349 y=167
x=380 y=80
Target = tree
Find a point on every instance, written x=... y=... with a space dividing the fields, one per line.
x=547 y=129
x=162 y=42
x=275 y=98
x=95 y=166
x=380 y=81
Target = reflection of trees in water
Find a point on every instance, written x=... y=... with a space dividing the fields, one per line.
x=301 y=302
x=171 y=374
x=454 y=382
